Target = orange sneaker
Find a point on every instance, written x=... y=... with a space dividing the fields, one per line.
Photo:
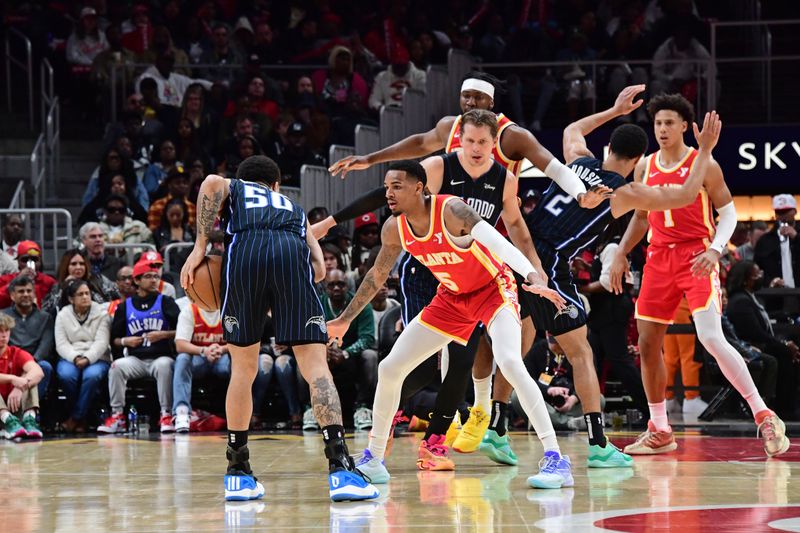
x=652 y=442
x=417 y=424
x=433 y=454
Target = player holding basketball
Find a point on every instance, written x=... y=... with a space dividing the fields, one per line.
x=682 y=259
x=469 y=257
x=271 y=261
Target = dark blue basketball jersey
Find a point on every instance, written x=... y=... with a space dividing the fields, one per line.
x=255 y=207
x=484 y=195
x=559 y=220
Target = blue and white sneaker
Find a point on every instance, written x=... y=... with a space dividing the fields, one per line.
x=241 y=487
x=555 y=472
x=345 y=485
x=373 y=469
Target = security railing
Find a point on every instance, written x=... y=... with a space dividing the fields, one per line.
x=37 y=228
x=25 y=63
x=134 y=248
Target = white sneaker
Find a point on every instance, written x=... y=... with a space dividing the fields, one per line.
x=673 y=406
x=694 y=407
x=362 y=419
x=182 y=423
x=310 y=421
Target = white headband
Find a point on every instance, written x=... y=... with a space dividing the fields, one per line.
x=474 y=84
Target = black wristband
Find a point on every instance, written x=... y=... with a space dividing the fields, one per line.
x=375 y=199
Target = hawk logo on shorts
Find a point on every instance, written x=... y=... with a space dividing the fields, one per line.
x=319 y=321
x=230 y=323
x=570 y=310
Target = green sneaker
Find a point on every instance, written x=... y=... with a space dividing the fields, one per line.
x=31 y=427
x=497 y=448
x=12 y=429
x=608 y=457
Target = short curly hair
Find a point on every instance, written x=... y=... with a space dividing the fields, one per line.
x=671 y=102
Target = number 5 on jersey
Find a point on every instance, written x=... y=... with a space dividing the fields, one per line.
x=445 y=279
x=260 y=197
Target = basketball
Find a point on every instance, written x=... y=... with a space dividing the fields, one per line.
x=205 y=290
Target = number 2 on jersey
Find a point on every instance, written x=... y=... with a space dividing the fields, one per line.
x=553 y=207
x=258 y=197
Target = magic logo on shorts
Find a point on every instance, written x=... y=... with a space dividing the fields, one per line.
x=571 y=311
x=230 y=323
x=319 y=320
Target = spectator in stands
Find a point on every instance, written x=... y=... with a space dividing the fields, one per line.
x=142 y=334
x=627 y=45
x=99 y=186
x=193 y=41
x=157 y=116
x=82 y=337
x=296 y=154
x=577 y=80
x=681 y=76
x=174 y=228
x=778 y=251
x=746 y=251
x=344 y=94
x=753 y=325
x=491 y=47
x=203 y=120
x=117 y=186
x=366 y=236
x=93 y=240
x=154 y=259
x=19 y=377
x=243 y=107
x=305 y=106
x=260 y=100
x=171 y=85
x=245 y=147
x=12 y=234
x=85 y=43
x=33 y=331
x=223 y=55
x=391 y=83
x=187 y=141
x=177 y=187
x=264 y=44
x=121 y=228
x=139 y=159
x=159 y=170
x=73 y=266
x=354 y=364
x=162 y=42
x=197 y=173
x=333 y=258
x=115 y=56
x=137 y=32
x=381 y=304
x=29 y=265
x=763 y=367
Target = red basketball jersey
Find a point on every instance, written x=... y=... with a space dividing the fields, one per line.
x=459 y=270
x=206 y=334
x=503 y=122
x=692 y=222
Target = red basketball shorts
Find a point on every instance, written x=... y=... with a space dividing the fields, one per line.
x=456 y=315
x=668 y=276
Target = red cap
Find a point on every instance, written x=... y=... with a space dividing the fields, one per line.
x=151 y=257
x=399 y=55
x=366 y=220
x=28 y=248
x=143 y=267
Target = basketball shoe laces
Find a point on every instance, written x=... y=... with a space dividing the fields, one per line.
x=766 y=429
x=435 y=445
x=548 y=464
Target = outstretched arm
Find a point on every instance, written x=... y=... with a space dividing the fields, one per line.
x=366 y=203
x=639 y=196
x=391 y=248
x=213 y=191
x=317 y=259
x=574 y=139
x=412 y=147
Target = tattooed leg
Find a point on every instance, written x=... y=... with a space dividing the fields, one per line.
x=313 y=364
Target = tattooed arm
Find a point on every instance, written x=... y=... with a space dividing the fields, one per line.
x=373 y=280
x=213 y=192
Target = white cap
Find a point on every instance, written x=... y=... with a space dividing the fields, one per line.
x=88 y=12
x=783 y=201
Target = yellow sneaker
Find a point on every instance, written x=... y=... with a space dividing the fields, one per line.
x=471 y=435
x=452 y=431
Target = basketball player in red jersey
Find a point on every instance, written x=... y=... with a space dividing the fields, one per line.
x=469 y=257
x=685 y=247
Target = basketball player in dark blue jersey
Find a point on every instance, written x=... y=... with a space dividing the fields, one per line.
x=271 y=262
x=561 y=229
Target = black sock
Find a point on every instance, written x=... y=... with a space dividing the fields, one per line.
x=237 y=439
x=336 y=449
x=594 y=423
x=499 y=420
x=439 y=425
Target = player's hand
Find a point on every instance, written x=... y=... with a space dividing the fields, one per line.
x=321 y=228
x=595 y=196
x=336 y=330
x=708 y=138
x=624 y=103
x=348 y=164
x=533 y=284
x=14 y=400
x=704 y=263
x=191 y=264
x=619 y=269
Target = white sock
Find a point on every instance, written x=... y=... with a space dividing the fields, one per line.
x=658 y=415
x=4 y=416
x=182 y=410
x=483 y=392
x=506 y=341
x=31 y=412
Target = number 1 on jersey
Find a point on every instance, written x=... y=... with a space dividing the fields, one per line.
x=669 y=222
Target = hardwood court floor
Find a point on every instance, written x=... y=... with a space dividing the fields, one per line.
x=174 y=483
